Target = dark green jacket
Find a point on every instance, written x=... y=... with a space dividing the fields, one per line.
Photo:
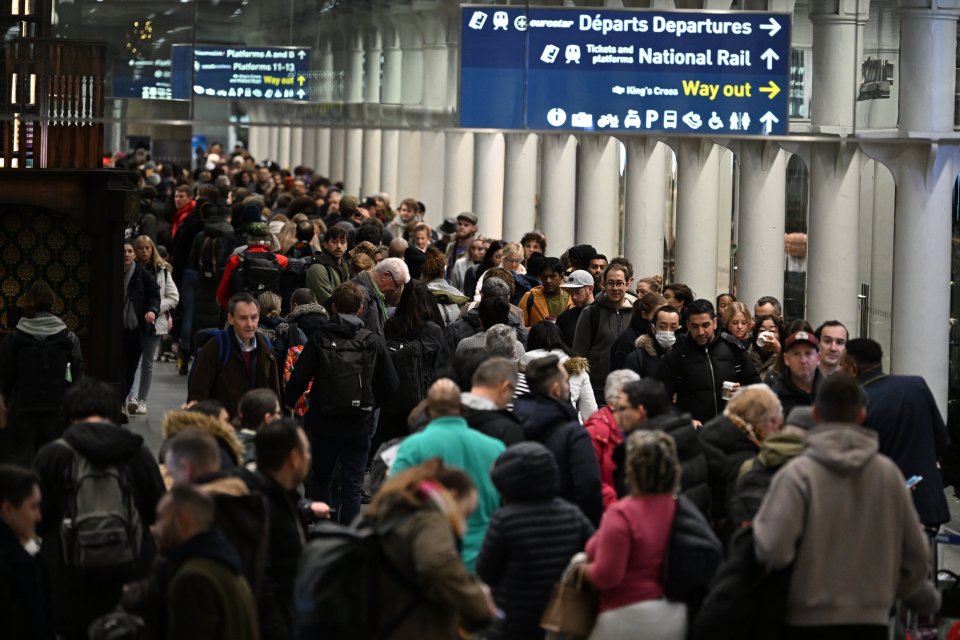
x=326 y=274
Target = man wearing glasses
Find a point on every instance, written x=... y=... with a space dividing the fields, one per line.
x=601 y=324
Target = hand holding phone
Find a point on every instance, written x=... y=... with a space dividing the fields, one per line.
x=913 y=481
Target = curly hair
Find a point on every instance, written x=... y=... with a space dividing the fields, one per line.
x=652 y=464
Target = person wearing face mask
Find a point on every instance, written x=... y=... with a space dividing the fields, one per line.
x=651 y=347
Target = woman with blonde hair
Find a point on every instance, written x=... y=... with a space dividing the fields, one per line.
x=627 y=553
x=422 y=516
x=149 y=258
x=737 y=321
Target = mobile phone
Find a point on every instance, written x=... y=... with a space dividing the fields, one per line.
x=914 y=481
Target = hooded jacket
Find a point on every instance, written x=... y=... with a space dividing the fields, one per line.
x=534 y=305
x=207 y=597
x=696 y=374
x=646 y=358
x=24 y=606
x=581 y=391
x=326 y=274
x=77 y=600
x=844 y=574
x=488 y=419
x=596 y=348
x=530 y=540
x=554 y=424
x=206 y=310
x=308 y=318
x=230 y=448
x=756 y=474
x=468 y=324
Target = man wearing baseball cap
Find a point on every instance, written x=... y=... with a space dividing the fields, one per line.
x=796 y=385
x=466 y=229
x=579 y=285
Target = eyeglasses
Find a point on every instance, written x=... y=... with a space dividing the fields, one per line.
x=615 y=284
x=393 y=279
x=512 y=260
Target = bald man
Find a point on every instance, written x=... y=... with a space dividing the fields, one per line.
x=449 y=438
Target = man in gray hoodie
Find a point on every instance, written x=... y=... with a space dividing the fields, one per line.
x=842 y=516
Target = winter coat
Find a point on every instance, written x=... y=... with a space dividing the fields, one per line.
x=24 y=606
x=696 y=374
x=581 y=391
x=183 y=238
x=554 y=424
x=308 y=318
x=534 y=306
x=788 y=392
x=169 y=297
x=228 y=384
x=227 y=288
x=701 y=465
x=229 y=446
x=308 y=365
x=763 y=364
x=207 y=597
x=451 y=440
x=567 y=323
x=806 y=517
x=646 y=358
x=206 y=310
x=596 y=348
x=530 y=540
x=144 y=292
x=606 y=436
x=78 y=600
x=485 y=417
x=374 y=304
x=326 y=274
x=624 y=346
x=423 y=548
x=905 y=416
x=277 y=331
x=29 y=428
x=756 y=474
x=468 y=325
x=449 y=299
x=737 y=447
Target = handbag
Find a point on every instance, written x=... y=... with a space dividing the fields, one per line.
x=572 y=609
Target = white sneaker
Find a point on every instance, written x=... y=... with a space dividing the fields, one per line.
x=132 y=406
x=141 y=407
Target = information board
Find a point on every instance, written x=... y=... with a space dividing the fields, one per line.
x=146 y=79
x=717 y=73
x=249 y=73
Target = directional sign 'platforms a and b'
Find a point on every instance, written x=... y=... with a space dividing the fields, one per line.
x=249 y=73
x=713 y=73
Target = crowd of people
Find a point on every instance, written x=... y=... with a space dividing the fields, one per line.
x=493 y=414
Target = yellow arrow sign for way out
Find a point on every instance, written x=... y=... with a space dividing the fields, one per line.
x=771 y=89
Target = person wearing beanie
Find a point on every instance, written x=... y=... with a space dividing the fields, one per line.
x=530 y=539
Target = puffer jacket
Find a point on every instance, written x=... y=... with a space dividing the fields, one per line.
x=530 y=540
x=169 y=297
x=554 y=424
x=696 y=374
x=581 y=391
x=606 y=436
x=736 y=447
x=646 y=358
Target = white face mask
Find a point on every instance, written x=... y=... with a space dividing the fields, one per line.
x=666 y=339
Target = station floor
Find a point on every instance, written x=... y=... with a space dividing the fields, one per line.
x=169 y=391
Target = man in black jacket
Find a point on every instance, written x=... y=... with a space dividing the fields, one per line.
x=93 y=410
x=695 y=370
x=484 y=406
x=550 y=419
x=796 y=385
x=337 y=432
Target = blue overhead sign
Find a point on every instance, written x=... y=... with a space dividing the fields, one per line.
x=248 y=73
x=714 y=73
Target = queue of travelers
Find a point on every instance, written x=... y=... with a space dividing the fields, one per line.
x=396 y=431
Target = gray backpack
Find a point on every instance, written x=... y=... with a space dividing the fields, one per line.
x=101 y=529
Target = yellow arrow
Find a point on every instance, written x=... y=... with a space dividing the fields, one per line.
x=300 y=79
x=771 y=88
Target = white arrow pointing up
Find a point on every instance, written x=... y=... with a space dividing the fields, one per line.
x=303 y=54
x=768 y=120
x=774 y=27
x=770 y=56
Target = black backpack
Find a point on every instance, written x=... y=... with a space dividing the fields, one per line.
x=258 y=271
x=344 y=384
x=209 y=255
x=42 y=371
x=101 y=530
x=693 y=555
x=409 y=360
x=293 y=277
x=337 y=587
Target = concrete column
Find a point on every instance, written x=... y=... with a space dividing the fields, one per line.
x=391 y=91
x=389 y=164
x=458 y=177
x=488 y=181
x=558 y=191
x=645 y=205
x=432 y=175
x=760 y=252
x=927 y=38
x=435 y=61
x=259 y=141
x=323 y=165
x=338 y=154
x=520 y=185
x=308 y=138
x=273 y=144
x=411 y=60
x=371 y=64
x=696 y=244
x=328 y=75
x=598 y=194
x=354 y=76
x=353 y=161
x=833 y=283
x=296 y=147
x=725 y=195
x=408 y=166
x=370 y=178
x=283 y=151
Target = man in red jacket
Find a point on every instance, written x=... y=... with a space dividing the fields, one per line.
x=264 y=271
